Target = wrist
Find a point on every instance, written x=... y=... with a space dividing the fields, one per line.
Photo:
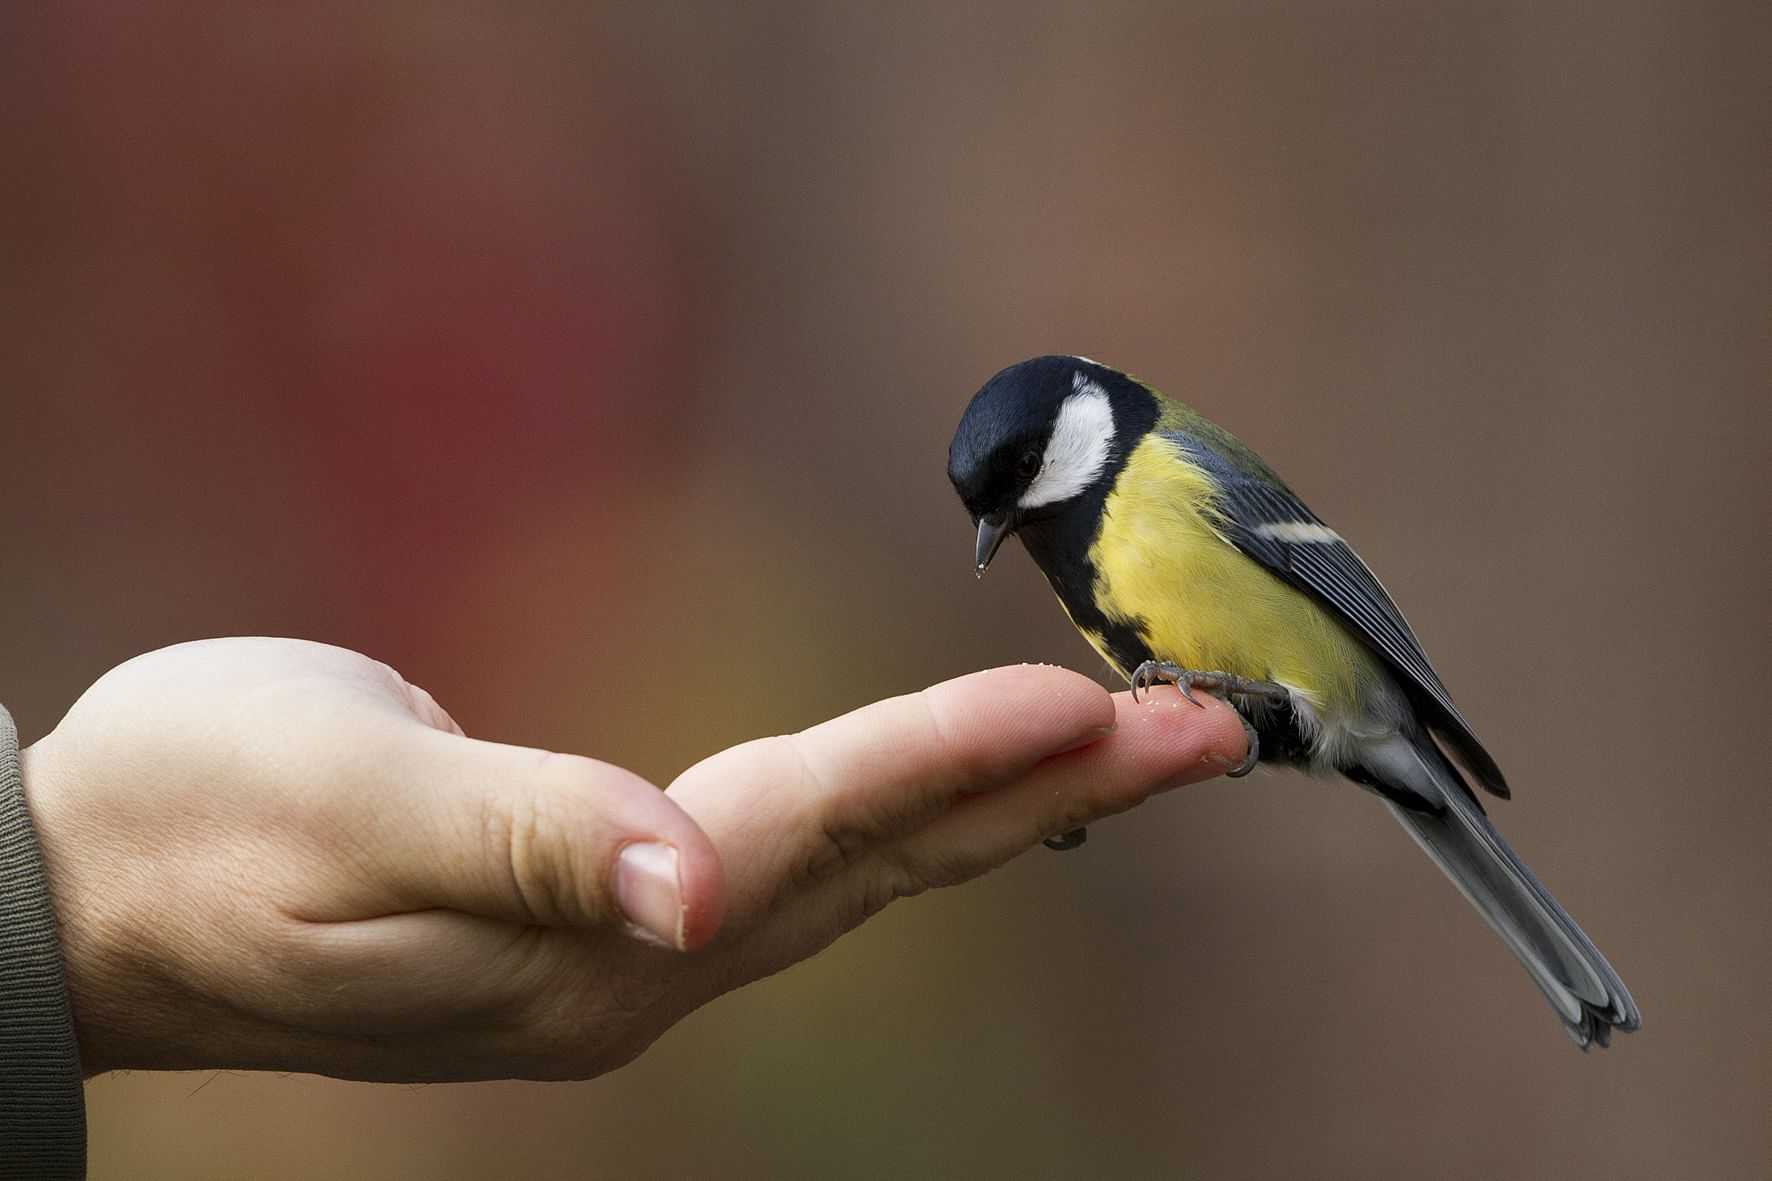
x=122 y=993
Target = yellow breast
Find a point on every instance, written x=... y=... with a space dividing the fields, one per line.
x=1198 y=601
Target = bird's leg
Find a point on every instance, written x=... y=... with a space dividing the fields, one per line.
x=1224 y=685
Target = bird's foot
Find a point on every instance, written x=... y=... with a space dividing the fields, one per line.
x=1161 y=672
x=1223 y=685
x=1071 y=840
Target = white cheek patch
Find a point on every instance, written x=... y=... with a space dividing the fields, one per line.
x=1077 y=452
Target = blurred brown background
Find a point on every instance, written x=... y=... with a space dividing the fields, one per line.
x=539 y=352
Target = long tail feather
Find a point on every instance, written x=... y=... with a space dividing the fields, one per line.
x=1580 y=985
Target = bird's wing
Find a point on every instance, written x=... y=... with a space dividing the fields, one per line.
x=1263 y=518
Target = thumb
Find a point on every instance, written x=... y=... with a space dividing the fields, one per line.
x=528 y=836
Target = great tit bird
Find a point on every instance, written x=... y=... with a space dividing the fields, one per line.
x=1183 y=559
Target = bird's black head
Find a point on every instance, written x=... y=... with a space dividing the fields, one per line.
x=1042 y=439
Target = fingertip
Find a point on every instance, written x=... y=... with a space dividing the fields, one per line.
x=1188 y=742
x=668 y=881
x=704 y=892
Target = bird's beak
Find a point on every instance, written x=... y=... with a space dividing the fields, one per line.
x=991 y=532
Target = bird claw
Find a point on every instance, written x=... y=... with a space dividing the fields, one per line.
x=1253 y=757
x=1219 y=684
x=1162 y=672
x=1222 y=685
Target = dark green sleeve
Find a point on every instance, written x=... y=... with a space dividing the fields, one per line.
x=42 y=1102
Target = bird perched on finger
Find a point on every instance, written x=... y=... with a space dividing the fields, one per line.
x=1183 y=558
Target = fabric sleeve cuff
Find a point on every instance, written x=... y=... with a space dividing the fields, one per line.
x=42 y=1097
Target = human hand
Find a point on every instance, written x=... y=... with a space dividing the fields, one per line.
x=276 y=854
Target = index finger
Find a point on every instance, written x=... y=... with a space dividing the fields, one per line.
x=1161 y=743
x=889 y=767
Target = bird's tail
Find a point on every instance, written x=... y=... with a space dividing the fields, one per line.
x=1580 y=985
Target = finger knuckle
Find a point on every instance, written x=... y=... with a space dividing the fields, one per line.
x=840 y=832
x=885 y=882
x=835 y=847
x=969 y=764
x=526 y=830
x=934 y=869
x=846 y=820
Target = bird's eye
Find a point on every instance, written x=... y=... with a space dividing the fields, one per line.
x=1028 y=466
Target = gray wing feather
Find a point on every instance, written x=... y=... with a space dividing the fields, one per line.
x=1331 y=572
